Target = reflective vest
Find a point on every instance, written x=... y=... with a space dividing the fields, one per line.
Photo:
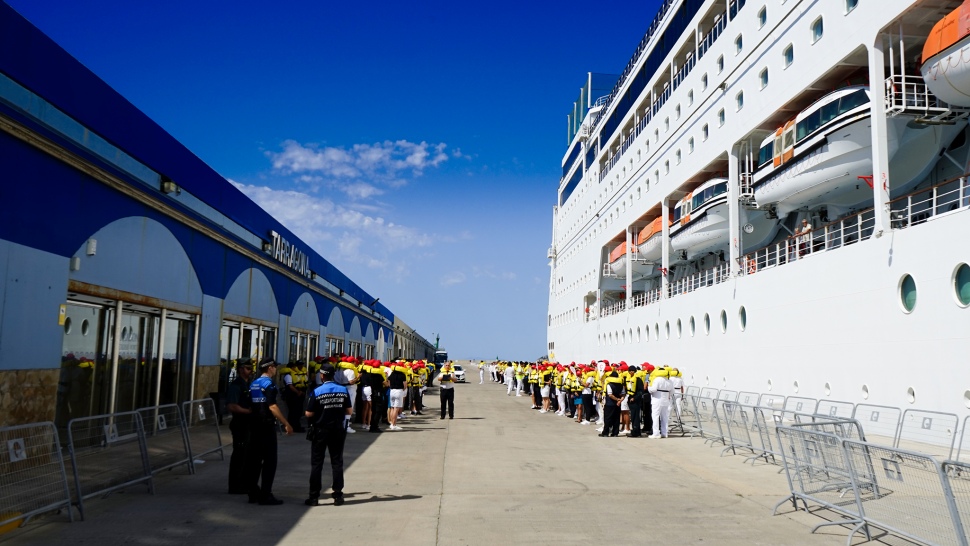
x=447 y=374
x=299 y=379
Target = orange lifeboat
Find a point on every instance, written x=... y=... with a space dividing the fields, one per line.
x=946 y=57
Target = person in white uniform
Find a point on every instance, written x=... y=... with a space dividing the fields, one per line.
x=660 y=402
x=509 y=374
x=481 y=373
x=677 y=391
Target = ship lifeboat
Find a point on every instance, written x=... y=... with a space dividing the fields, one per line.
x=817 y=158
x=618 y=258
x=650 y=241
x=946 y=57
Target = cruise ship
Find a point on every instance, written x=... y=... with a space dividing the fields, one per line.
x=772 y=197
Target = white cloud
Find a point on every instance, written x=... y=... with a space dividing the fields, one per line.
x=342 y=234
x=385 y=161
x=453 y=278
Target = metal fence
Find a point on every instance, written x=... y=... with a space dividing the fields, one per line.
x=166 y=439
x=108 y=452
x=931 y=432
x=202 y=428
x=32 y=475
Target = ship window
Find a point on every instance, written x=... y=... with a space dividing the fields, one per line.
x=690 y=97
x=789 y=55
x=766 y=154
x=690 y=145
x=680 y=328
x=677 y=112
x=742 y=318
x=817 y=30
x=693 y=326
x=739 y=99
x=656 y=331
x=720 y=117
x=850 y=5
x=764 y=78
x=723 y=321
x=667 y=330
x=666 y=167
x=720 y=64
x=738 y=44
x=707 y=324
x=704 y=132
x=961 y=284
x=666 y=124
x=704 y=82
x=762 y=17
x=678 y=157
x=907 y=293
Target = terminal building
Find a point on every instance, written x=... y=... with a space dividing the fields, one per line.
x=131 y=273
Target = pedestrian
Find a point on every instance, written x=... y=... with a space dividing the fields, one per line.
x=613 y=394
x=347 y=375
x=447 y=391
x=481 y=372
x=328 y=414
x=634 y=391
x=660 y=401
x=239 y=403
x=261 y=456
x=396 y=380
x=509 y=375
x=294 y=392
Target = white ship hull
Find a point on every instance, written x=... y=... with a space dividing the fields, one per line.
x=822 y=315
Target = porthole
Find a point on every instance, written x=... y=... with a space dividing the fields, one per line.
x=707 y=324
x=692 y=327
x=679 y=329
x=724 y=382
x=961 y=284
x=865 y=392
x=795 y=386
x=656 y=331
x=85 y=327
x=742 y=318
x=646 y=334
x=707 y=380
x=723 y=321
x=966 y=398
x=828 y=389
x=67 y=326
x=907 y=293
x=667 y=329
x=769 y=384
x=911 y=395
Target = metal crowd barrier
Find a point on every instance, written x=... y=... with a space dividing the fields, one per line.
x=32 y=475
x=881 y=422
x=202 y=428
x=929 y=432
x=108 y=452
x=166 y=438
x=748 y=398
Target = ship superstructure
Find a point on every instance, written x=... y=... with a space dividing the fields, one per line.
x=771 y=198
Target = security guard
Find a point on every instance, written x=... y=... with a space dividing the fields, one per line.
x=239 y=403
x=328 y=415
x=261 y=456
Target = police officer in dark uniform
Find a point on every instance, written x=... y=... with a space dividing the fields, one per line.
x=328 y=414
x=239 y=403
x=261 y=456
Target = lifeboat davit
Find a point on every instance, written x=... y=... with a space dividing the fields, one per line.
x=946 y=57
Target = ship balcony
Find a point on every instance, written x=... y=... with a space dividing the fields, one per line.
x=909 y=95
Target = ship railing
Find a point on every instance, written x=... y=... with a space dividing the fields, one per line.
x=920 y=206
x=648 y=297
x=712 y=35
x=684 y=71
x=613 y=309
x=702 y=279
x=909 y=95
x=844 y=232
x=661 y=99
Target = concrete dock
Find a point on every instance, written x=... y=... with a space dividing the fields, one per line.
x=498 y=473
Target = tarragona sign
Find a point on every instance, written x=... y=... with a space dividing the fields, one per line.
x=289 y=255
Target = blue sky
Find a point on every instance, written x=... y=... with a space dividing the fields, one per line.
x=415 y=145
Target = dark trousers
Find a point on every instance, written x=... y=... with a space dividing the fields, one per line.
x=415 y=393
x=376 y=406
x=261 y=460
x=239 y=426
x=332 y=441
x=448 y=398
x=611 y=418
x=588 y=407
x=570 y=404
x=536 y=395
x=294 y=408
x=647 y=413
x=635 y=418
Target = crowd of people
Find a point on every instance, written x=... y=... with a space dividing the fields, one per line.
x=623 y=399
x=325 y=394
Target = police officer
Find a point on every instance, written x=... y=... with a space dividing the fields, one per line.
x=261 y=456
x=328 y=413
x=238 y=402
